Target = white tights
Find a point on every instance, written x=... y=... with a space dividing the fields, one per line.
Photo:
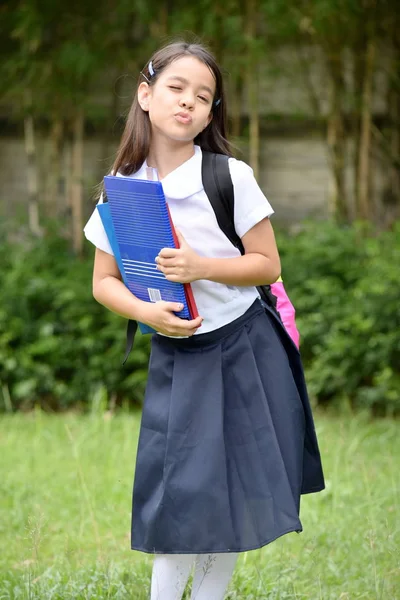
x=212 y=573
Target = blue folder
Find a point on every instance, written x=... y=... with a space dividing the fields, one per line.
x=138 y=226
x=105 y=215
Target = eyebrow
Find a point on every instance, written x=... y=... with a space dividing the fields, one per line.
x=183 y=80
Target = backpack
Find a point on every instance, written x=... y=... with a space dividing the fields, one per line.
x=218 y=187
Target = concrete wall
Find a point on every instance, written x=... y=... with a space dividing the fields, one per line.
x=294 y=175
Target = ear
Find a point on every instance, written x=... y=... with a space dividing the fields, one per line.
x=144 y=95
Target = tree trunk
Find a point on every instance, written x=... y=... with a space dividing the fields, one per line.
x=67 y=175
x=358 y=79
x=306 y=63
x=218 y=44
x=395 y=145
x=254 y=126
x=159 y=26
x=364 y=203
x=32 y=178
x=336 y=138
x=108 y=141
x=390 y=201
x=163 y=16
x=236 y=104
x=53 y=169
x=76 y=187
x=252 y=88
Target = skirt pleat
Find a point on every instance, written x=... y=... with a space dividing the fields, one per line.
x=221 y=461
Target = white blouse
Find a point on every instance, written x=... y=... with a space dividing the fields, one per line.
x=194 y=216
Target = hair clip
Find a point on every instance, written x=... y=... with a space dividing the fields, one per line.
x=150 y=70
x=217 y=102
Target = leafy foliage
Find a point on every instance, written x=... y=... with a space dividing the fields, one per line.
x=59 y=348
x=344 y=284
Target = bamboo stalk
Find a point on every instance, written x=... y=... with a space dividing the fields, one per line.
x=336 y=139
x=32 y=179
x=76 y=184
x=252 y=89
x=54 y=170
x=364 y=203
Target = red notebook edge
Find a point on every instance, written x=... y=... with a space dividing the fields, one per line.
x=186 y=286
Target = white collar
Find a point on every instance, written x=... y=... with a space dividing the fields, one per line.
x=182 y=182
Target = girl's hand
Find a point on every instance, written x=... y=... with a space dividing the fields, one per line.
x=182 y=264
x=160 y=316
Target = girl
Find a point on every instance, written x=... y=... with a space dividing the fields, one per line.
x=227 y=442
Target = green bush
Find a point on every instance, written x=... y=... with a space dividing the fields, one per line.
x=58 y=347
x=61 y=349
x=344 y=283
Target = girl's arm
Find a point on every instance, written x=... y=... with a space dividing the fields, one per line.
x=111 y=292
x=260 y=265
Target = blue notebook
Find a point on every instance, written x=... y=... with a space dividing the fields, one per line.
x=138 y=225
x=105 y=215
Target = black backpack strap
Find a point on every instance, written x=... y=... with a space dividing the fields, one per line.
x=130 y=336
x=218 y=186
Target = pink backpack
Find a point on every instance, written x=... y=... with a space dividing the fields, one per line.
x=286 y=310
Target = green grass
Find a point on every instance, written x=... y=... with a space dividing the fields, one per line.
x=65 y=493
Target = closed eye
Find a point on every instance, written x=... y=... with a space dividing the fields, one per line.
x=204 y=99
x=175 y=87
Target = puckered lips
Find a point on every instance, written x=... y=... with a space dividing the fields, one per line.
x=183 y=117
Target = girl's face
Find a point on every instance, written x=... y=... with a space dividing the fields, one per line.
x=180 y=102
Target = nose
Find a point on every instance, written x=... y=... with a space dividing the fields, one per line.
x=187 y=100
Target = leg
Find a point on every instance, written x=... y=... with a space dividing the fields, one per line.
x=212 y=575
x=170 y=575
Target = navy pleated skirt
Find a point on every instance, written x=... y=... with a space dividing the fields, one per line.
x=227 y=442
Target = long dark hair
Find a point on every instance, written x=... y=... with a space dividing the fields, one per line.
x=135 y=142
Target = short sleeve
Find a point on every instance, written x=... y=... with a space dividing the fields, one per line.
x=95 y=232
x=251 y=206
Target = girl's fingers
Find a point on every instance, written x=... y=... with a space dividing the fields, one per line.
x=167 y=253
x=180 y=327
x=186 y=332
x=188 y=327
x=173 y=277
x=173 y=306
x=193 y=324
x=165 y=268
x=166 y=262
